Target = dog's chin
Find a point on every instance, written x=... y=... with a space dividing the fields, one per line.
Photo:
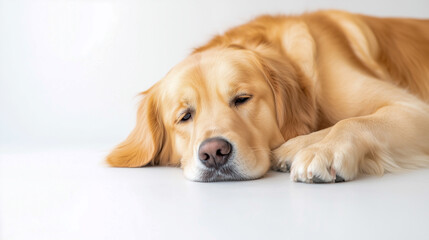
x=225 y=173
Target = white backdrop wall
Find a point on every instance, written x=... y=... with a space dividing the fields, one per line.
x=70 y=70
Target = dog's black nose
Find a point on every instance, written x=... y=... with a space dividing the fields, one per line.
x=214 y=152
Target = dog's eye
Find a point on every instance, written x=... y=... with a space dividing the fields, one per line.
x=241 y=99
x=186 y=117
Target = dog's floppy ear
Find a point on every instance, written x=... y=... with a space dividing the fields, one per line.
x=145 y=142
x=293 y=95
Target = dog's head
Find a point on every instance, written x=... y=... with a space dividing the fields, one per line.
x=218 y=114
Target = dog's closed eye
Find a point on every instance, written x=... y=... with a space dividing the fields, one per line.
x=241 y=99
x=184 y=117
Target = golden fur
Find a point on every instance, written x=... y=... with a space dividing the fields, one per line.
x=330 y=95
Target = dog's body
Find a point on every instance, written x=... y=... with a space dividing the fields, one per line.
x=347 y=93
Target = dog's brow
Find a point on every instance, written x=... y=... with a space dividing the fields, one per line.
x=183 y=105
x=239 y=88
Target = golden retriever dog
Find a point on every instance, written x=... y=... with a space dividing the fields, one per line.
x=326 y=95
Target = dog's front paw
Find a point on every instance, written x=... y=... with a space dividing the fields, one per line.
x=325 y=163
x=282 y=158
x=284 y=155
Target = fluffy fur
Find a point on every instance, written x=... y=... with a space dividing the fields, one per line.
x=330 y=95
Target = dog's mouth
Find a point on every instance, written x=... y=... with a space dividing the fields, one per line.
x=224 y=173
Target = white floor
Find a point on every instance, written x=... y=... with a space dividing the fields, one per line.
x=64 y=195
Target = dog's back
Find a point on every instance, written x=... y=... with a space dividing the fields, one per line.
x=403 y=51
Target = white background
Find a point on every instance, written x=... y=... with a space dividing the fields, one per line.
x=69 y=74
x=70 y=70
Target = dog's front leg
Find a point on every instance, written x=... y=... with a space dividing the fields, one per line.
x=394 y=137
